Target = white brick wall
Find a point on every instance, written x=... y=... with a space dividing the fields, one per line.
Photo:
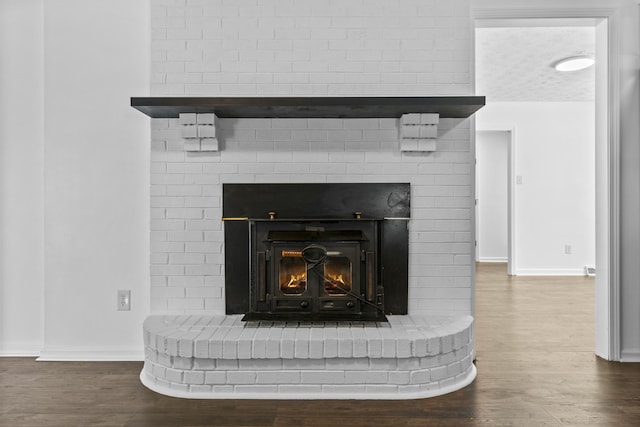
x=300 y=48
x=310 y=47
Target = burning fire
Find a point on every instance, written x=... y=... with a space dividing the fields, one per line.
x=295 y=279
x=296 y=285
x=337 y=278
x=335 y=284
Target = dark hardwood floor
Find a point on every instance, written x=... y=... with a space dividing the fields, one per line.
x=536 y=367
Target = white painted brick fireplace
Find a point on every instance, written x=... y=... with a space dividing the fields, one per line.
x=308 y=48
x=186 y=228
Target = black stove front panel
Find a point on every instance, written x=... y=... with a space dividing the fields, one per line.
x=355 y=240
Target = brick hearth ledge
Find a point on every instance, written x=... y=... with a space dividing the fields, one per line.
x=221 y=357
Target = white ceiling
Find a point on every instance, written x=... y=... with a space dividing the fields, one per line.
x=516 y=63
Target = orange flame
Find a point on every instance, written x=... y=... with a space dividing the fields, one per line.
x=295 y=280
x=337 y=278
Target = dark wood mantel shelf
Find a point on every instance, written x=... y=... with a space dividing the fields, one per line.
x=310 y=107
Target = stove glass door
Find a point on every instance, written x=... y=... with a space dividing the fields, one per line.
x=292 y=275
x=337 y=275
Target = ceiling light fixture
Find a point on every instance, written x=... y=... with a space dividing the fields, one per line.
x=574 y=63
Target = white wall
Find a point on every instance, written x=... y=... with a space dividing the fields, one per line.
x=96 y=177
x=555 y=204
x=492 y=175
x=74 y=177
x=21 y=176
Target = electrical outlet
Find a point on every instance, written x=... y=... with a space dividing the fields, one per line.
x=124 y=300
x=567 y=249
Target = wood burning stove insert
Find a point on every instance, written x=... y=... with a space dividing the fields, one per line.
x=320 y=270
x=316 y=251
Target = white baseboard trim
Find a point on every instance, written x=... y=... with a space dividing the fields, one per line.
x=549 y=272
x=20 y=349
x=493 y=259
x=91 y=355
x=632 y=355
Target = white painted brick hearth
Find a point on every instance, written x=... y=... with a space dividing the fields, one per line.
x=220 y=356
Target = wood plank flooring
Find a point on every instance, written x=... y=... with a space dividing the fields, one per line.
x=536 y=367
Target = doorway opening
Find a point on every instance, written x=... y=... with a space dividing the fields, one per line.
x=495 y=216
x=604 y=147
